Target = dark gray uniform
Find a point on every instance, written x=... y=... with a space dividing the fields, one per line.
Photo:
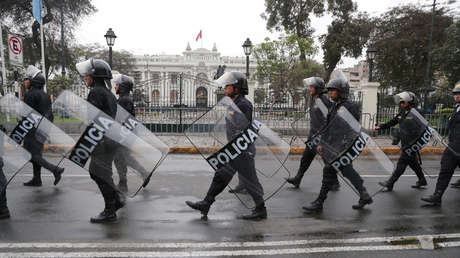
x=244 y=164
x=408 y=132
x=3 y=204
x=450 y=160
x=100 y=167
x=329 y=173
x=37 y=99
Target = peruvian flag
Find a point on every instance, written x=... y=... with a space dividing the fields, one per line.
x=199 y=36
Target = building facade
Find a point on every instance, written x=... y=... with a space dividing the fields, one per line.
x=164 y=79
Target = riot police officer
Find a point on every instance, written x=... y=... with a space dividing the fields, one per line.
x=451 y=156
x=317 y=121
x=37 y=99
x=123 y=86
x=408 y=127
x=338 y=92
x=236 y=87
x=97 y=75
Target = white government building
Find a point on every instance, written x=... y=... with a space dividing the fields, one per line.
x=157 y=76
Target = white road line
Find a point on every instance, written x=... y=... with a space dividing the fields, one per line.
x=214 y=253
x=223 y=244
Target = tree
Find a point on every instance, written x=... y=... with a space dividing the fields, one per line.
x=122 y=61
x=278 y=63
x=58 y=84
x=347 y=36
x=447 y=56
x=17 y=15
x=401 y=37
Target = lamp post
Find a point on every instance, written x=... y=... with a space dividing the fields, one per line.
x=247 y=47
x=110 y=38
x=371 y=51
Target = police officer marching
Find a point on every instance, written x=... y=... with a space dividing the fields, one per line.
x=97 y=75
x=123 y=86
x=37 y=99
x=408 y=127
x=4 y=211
x=317 y=121
x=236 y=87
x=450 y=159
x=338 y=89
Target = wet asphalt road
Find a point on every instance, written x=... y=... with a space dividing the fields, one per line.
x=158 y=215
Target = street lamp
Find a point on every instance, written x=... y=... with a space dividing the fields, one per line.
x=110 y=38
x=371 y=51
x=247 y=47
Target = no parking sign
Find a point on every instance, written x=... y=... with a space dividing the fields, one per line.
x=15 y=48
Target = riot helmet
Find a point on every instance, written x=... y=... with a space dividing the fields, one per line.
x=406 y=96
x=35 y=76
x=237 y=79
x=96 y=68
x=456 y=88
x=339 y=82
x=314 y=82
x=126 y=83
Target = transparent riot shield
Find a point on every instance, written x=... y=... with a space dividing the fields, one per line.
x=137 y=128
x=421 y=135
x=99 y=139
x=344 y=142
x=12 y=159
x=243 y=153
x=304 y=138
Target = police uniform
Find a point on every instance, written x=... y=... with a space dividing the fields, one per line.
x=450 y=159
x=37 y=99
x=408 y=129
x=4 y=212
x=244 y=164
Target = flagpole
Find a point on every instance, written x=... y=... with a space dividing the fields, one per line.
x=43 y=50
x=3 y=59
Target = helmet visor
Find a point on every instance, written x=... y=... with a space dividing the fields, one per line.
x=31 y=72
x=338 y=74
x=84 y=68
x=309 y=82
x=227 y=78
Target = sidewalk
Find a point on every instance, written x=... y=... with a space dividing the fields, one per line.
x=179 y=144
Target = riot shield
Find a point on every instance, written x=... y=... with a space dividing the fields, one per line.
x=344 y=141
x=137 y=128
x=233 y=145
x=12 y=159
x=420 y=134
x=303 y=137
x=100 y=137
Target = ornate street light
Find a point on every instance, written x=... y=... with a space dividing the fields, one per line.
x=371 y=51
x=110 y=38
x=247 y=47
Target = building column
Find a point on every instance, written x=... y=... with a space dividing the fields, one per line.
x=369 y=94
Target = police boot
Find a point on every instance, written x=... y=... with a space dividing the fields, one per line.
x=388 y=184
x=364 y=199
x=259 y=213
x=420 y=183
x=202 y=206
x=34 y=182
x=456 y=184
x=239 y=189
x=434 y=199
x=36 y=179
x=317 y=205
x=295 y=181
x=58 y=175
x=4 y=212
x=107 y=215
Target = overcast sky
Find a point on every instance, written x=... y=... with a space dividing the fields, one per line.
x=165 y=26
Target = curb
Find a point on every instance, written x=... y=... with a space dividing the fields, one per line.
x=293 y=151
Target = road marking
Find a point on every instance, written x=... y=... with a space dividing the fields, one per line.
x=225 y=244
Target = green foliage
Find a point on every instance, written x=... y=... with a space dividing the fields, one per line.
x=447 y=56
x=17 y=16
x=401 y=37
x=278 y=62
x=59 y=83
